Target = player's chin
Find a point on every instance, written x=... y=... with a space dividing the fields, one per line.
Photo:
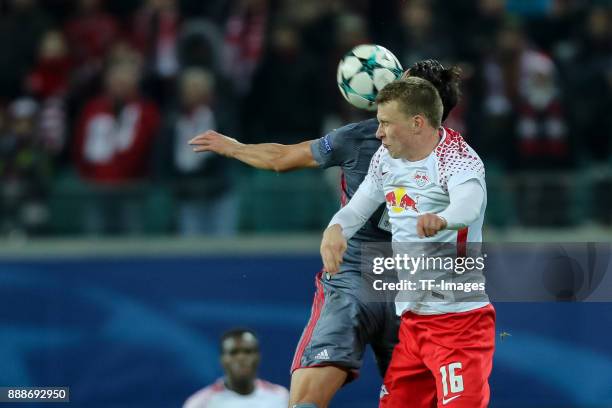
x=391 y=153
x=242 y=371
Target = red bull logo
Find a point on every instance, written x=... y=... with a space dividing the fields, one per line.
x=398 y=200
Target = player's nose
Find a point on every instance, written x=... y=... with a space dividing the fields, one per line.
x=379 y=132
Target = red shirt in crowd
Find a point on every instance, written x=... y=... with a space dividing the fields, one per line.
x=113 y=143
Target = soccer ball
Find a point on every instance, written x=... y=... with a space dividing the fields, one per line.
x=364 y=71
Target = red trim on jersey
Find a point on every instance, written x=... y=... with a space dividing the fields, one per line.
x=204 y=395
x=317 y=306
x=264 y=384
x=218 y=386
x=343 y=197
x=462 y=242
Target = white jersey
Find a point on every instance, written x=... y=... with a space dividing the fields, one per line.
x=266 y=395
x=411 y=189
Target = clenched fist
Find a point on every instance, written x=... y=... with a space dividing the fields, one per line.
x=428 y=225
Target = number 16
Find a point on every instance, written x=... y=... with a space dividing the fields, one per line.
x=455 y=380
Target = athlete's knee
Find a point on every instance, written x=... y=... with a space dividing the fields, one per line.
x=305 y=405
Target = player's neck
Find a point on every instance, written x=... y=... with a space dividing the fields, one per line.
x=240 y=387
x=426 y=144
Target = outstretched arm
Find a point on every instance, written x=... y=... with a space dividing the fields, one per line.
x=266 y=156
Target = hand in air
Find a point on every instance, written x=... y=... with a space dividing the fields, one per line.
x=211 y=141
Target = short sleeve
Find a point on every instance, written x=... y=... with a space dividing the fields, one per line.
x=335 y=148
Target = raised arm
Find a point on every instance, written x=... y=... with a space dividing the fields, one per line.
x=266 y=156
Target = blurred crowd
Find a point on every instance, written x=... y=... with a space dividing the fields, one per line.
x=111 y=91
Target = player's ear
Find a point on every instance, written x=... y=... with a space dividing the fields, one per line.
x=418 y=121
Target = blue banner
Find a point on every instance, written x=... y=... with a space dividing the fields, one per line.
x=143 y=332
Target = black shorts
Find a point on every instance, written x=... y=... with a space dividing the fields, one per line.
x=342 y=324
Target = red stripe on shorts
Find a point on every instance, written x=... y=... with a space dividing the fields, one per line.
x=315 y=313
x=343 y=197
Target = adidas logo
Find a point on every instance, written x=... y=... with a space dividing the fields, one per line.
x=323 y=355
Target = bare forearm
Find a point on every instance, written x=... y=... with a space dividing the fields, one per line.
x=265 y=156
x=277 y=157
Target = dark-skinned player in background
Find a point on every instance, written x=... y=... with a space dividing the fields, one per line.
x=240 y=387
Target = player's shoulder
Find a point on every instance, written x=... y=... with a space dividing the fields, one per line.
x=271 y=388
x=453 y=142
x=453 y=149
x=358 y=130
x=454 y=156
x=348 y=139
x=202 y=397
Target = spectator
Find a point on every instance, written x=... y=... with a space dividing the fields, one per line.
x=155 y=33
x=351 y=31
x=554 y=30
x=244 y=41
x=51 y=73
x=503 y=70
x=116 y=130
x=91 y=32
x=542 y=132
x=478 y=22
x=206 y=202
x=530 y=91
x=267 y=114
x=420 y=36
x=520 y=87
x=200 y=45
x=590 y=79
x=240 y=388
x=49 y=82
x=24 y=170
x=319 y=21
x=195 y=116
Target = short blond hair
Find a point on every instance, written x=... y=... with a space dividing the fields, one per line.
x=415 y=96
